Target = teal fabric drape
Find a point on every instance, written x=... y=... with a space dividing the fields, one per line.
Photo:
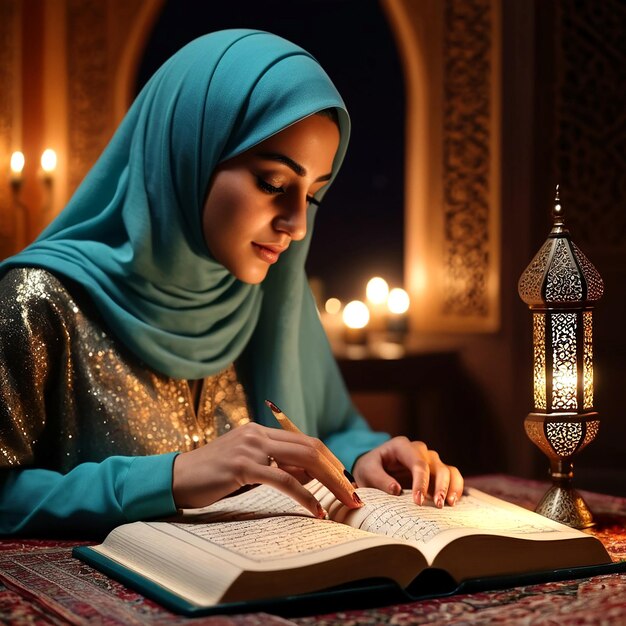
x=132 y=236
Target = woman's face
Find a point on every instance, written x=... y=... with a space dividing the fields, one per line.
x=256 y=202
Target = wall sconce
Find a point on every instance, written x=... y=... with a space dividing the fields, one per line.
x=48 y=166
x=560 y=286
x=17 y=167
x=18 y=236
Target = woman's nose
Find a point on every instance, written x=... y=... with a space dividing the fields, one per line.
x=293 y=219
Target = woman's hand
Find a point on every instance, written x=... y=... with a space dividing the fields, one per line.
x=401 y=463
x=253 y=454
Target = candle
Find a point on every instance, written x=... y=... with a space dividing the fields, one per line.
x=332 y=306
x=397 y=322
x=331 y=320
x=398 y=301
x=376 y=292
x=356 y=316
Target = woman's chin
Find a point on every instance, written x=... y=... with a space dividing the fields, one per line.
x=252 y=276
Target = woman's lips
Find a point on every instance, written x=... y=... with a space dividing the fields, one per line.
x=268 y=253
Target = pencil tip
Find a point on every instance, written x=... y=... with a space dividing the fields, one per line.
x=273 y=406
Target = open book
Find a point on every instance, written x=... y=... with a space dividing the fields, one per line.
x=261 y=544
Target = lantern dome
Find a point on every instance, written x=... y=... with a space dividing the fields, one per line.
x=560 y=274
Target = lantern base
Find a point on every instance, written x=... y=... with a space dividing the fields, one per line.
x=562 y=503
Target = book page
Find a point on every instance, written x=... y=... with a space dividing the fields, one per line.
x=143 y=547
x=278 y=538
x=260 y=501
x=399 y=516
x=394 y=516
x=263 y=527
x=475 y=513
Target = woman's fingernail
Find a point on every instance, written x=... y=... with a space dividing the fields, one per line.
x=394 y=489
x=349 y=476
x=321 y=512
x=355 y=497
x=452 y=499
x=439 y=498
x=419 y=498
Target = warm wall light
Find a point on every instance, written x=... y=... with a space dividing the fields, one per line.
x=17 y=235
x=17 y=166
x=561 y=286
x=48 y=161
x=48 y=165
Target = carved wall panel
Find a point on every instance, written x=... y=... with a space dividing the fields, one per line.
x=451 y=55
x=467 y=120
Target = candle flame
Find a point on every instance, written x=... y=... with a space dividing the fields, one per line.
x=398 y=301
x=356 y=314
x=377 y=290
x=332 y=306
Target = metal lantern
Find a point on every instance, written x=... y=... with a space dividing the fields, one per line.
x=561 y=286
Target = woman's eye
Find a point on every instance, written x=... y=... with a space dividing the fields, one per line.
x=271 y=189
x=266 y=187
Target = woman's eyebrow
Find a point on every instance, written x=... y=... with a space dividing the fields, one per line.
x=296 y=167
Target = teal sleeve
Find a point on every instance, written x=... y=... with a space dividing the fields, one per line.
x=89 y=500
x=355 y=438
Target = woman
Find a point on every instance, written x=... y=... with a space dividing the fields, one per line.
x=148 y=323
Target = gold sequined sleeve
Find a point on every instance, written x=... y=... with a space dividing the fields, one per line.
x=30 y=340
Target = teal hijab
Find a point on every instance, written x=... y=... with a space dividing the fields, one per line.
x=132 y=235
